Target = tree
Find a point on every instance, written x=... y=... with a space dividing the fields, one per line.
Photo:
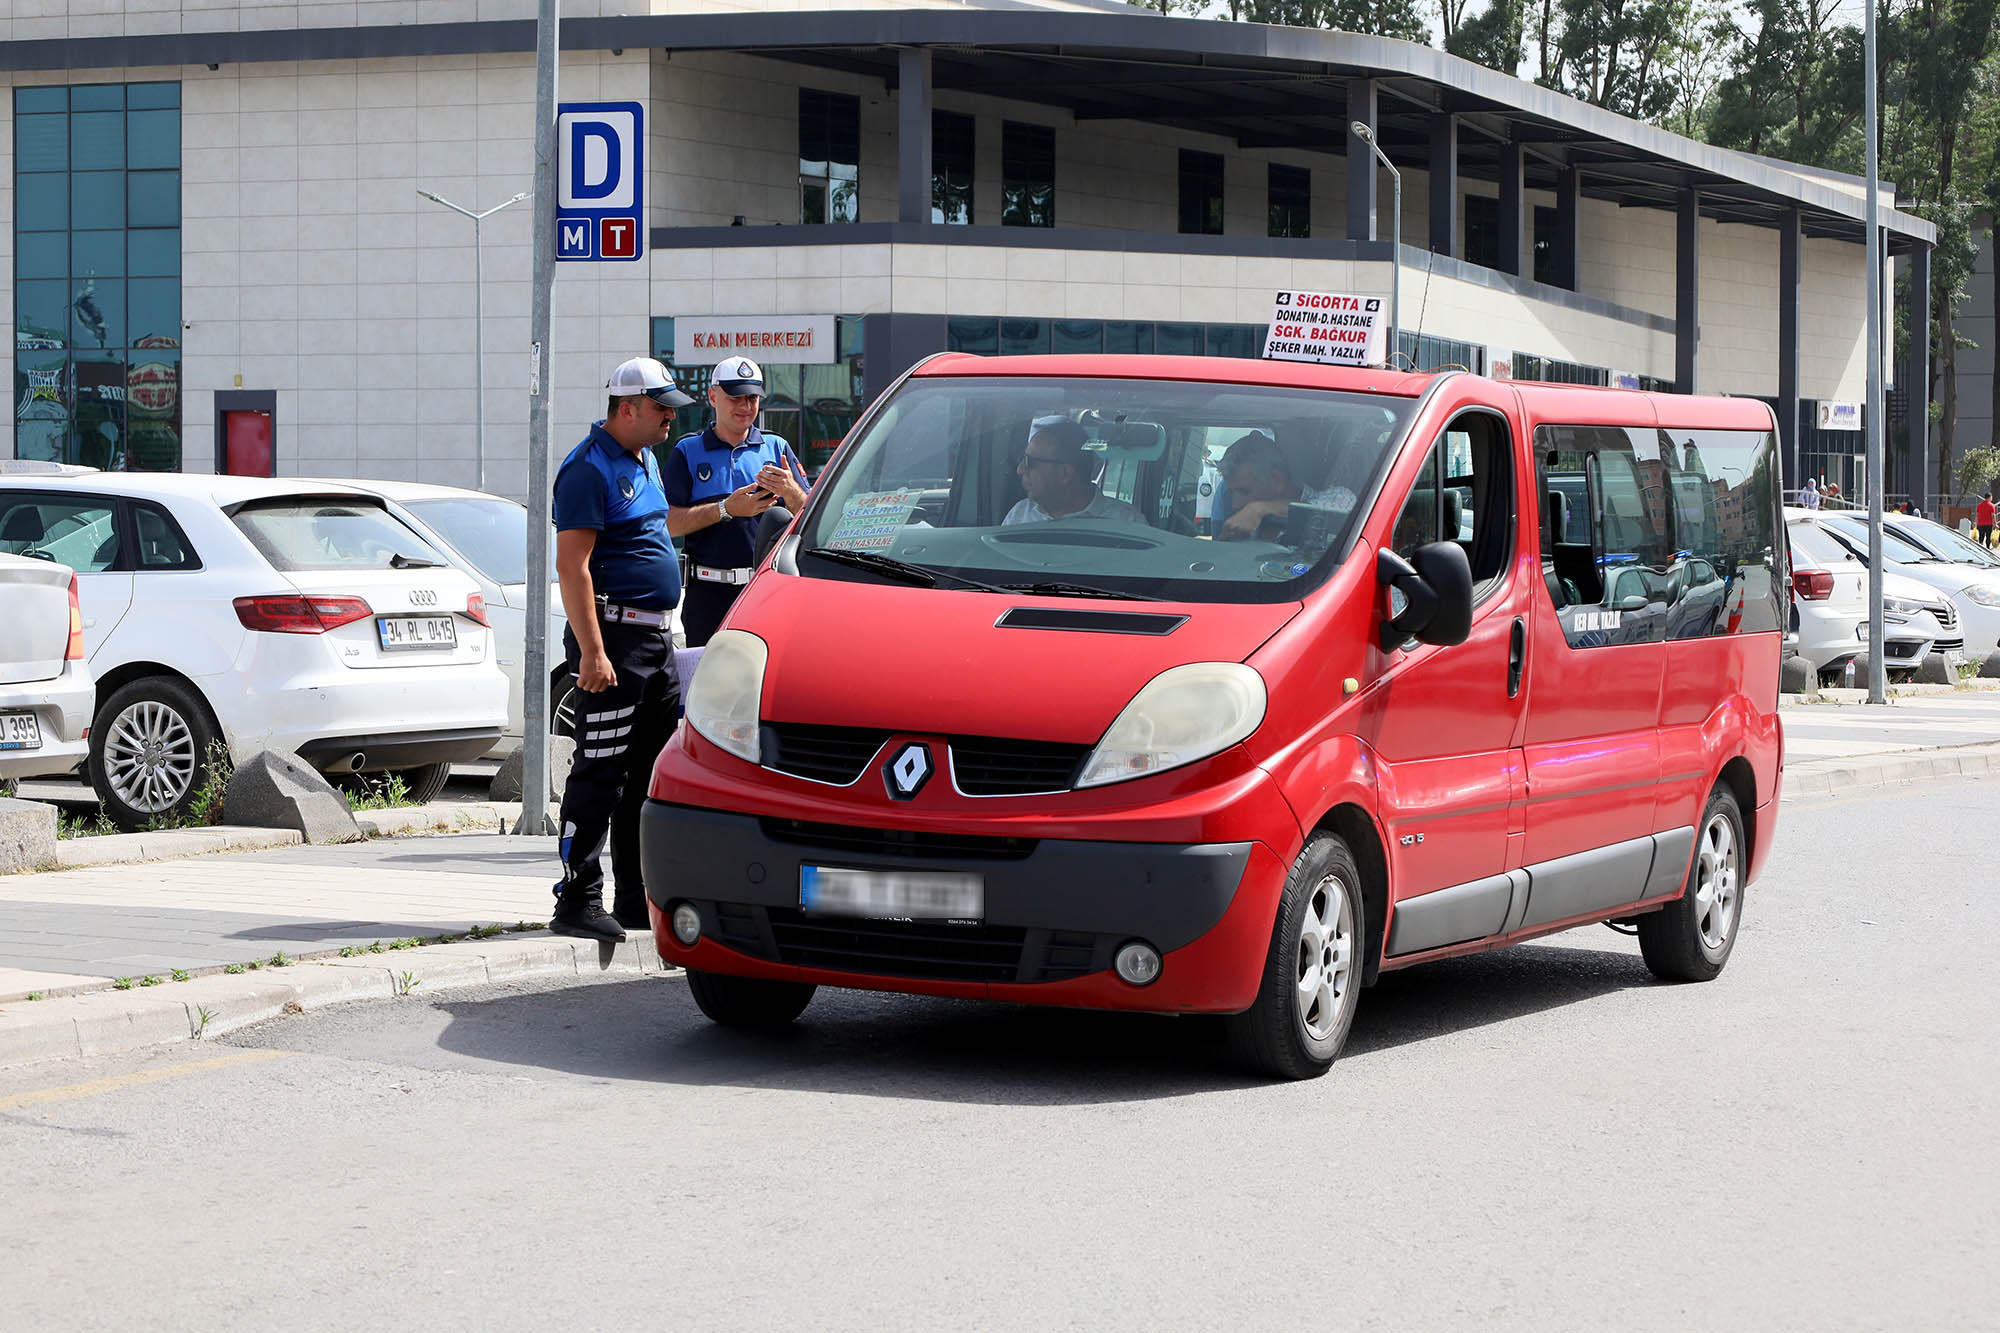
x=1378 y=18
x=1492 y=37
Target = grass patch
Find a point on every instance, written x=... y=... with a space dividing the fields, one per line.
x=149 y=981
x=178 y=974
x=379 y=792
x=84 y=826
x=234 y=969
x=123 y=983
x=34 y=995
x=279 y=959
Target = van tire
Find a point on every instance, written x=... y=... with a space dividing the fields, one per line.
x=1312 y=973
x=163 y=715
x=748 y=1002
x=1690 y=938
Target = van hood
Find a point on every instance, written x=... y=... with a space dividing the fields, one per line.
x=933 y=660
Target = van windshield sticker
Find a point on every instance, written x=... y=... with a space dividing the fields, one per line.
x=871 y=520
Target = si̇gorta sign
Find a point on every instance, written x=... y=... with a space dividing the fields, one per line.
x=1330 y=328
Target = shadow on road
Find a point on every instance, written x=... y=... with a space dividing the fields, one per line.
x=966 y=1051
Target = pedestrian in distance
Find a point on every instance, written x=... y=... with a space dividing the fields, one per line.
x=1982 y=518
x=719 y=481
x=620 y=581
x=1809 y=495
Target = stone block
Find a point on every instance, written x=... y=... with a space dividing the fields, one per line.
x=27 y=834
x=1990 y=668
x=506 y=784
x=273 y=790
x=1934 y=670
x=1798 y=677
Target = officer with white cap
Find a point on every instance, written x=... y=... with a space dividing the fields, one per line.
x=718 y=481
x=620 y=581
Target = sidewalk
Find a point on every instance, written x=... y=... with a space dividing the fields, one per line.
x=257 y=933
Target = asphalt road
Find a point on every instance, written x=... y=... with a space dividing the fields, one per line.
x=1539 y=1138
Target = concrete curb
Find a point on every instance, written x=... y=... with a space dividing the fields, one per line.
x=108 y=1022
x=1830 y=777
x=169 y=844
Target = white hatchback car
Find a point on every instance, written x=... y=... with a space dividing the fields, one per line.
x=487 y=537
x=1830 y=604
x=1972 y=587
x=46 y=693
x=266 y=614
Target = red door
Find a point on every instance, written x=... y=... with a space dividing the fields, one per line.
x=246 y=444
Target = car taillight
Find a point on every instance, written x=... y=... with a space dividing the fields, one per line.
x=299 y=615
x=475 y=610
x=1815 y=585
x=74 y=652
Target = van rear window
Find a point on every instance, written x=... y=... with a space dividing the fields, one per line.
x=1650 y=535
x=1198 y=491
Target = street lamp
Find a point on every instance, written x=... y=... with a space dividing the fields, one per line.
x=1366 y=134
x=478 y=321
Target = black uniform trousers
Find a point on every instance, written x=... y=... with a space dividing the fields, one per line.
x=703 y=605
x=619 y=733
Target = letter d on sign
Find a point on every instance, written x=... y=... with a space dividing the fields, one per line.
x=594 y=165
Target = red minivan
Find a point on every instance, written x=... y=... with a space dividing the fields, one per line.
x=1456 y=663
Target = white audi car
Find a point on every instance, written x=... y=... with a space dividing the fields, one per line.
x=1972 y=585
x=45 y=687
x=262 y=614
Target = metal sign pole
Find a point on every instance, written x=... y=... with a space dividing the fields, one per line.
x=1878 y=674
x=535 y=657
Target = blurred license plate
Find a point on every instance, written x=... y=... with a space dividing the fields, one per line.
x=917 y=895
x=416 y=632
x=20 y=731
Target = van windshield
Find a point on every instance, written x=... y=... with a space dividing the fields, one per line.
x=1137 y=488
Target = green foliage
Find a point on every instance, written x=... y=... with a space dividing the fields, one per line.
x=279 y=959
x=149 y=981
x=80 y=826
x=204 y=1015
x=178 y=974
x=1377 y=18
x=34 y=995
x=378 y=792
x=234 y=969
x=122 y=983
x=1977 y=468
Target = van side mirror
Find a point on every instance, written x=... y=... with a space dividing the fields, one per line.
x=1430 y=598
x=770 y=526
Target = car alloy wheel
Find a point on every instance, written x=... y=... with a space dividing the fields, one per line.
x=149 y=756
x=1325 y=970
x=1717 y=868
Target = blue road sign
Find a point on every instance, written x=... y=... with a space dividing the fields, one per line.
x=600 y=181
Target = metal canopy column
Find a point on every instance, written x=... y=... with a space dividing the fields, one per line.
x=1360 y=162
x=1569 y=226
x=1789 y=240
x=1687 y=288
x=1513 y=192
x=1917 y=386
x=913 y=134
x=1444 y=205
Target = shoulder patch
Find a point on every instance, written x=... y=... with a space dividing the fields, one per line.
x=625 y=487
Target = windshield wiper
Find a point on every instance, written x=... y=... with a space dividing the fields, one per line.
x=901 y=570
x=401 y=561
x=1079 y=590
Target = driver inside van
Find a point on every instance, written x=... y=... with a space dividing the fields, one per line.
x=1060 y=475
x=1261 y=488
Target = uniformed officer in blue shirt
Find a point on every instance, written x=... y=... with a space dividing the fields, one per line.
x=620 y=581
x=718 y=481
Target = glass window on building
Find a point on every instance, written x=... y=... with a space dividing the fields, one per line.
x=829 y=157
x=951 y=168
x=1201 y=193
x=1027 y=175
x=1547 y=266
x=1482 y=230
x=97 y=285
x=810 y=405
x=1291 y=201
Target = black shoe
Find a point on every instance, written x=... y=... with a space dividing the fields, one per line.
x=631 y=913
x=586 y=918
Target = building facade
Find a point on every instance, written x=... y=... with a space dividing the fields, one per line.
x=221 y=259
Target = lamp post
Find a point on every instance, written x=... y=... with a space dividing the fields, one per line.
x=1366 y=134
x=478 y=322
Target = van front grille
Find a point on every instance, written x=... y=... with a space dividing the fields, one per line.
x=836 y=755
x=987 y=766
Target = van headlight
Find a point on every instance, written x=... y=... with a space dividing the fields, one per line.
x=1183 y=714
x=1986 y=594
x=727 y=692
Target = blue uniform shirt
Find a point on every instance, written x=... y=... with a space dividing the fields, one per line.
x=602 y=486
x=703 y=469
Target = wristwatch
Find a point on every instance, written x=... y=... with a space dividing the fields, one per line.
x=722 y=510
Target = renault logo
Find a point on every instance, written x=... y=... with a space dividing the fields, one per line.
x=906 y=774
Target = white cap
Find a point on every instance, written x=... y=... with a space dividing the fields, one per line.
x=642 y=374
x=739 y=377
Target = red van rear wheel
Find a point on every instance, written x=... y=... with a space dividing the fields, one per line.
x=1690 y=938
x=1312 y=975
x=748 y=1002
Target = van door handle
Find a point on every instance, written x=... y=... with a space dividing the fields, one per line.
x=1517 y=652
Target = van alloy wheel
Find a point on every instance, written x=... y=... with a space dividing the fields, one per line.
x=149 y=757
x=1326 y=958
x=1690 y=938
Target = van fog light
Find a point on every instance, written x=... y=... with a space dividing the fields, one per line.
x=686 y=923
x=1137 y=963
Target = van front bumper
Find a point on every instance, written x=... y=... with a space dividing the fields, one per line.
x=1056 y=911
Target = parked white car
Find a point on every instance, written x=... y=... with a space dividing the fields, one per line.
x=1830 y=604
x=46 y=692
x=487 y=536
x=262 y=614
x=1974 y=589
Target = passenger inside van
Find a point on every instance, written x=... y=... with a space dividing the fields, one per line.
x=1263 y=490
x=1059 y=475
